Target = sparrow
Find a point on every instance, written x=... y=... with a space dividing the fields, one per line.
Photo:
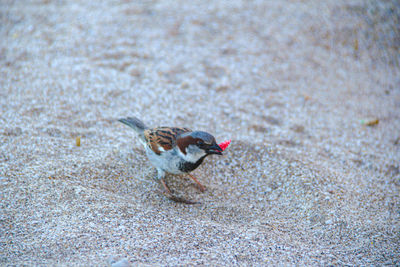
x=174 y=150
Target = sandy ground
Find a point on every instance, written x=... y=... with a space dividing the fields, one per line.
x=292 y=83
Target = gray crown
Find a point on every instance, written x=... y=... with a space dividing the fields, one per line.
x=206 y=137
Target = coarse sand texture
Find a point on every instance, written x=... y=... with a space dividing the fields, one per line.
x=308 y=91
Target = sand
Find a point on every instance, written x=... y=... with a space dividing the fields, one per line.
x=308 y=91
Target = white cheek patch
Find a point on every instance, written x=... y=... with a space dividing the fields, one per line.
x=181 y=154
x=193 y=154
x=160 y=148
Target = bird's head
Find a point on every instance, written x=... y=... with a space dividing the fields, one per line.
x=198 y=144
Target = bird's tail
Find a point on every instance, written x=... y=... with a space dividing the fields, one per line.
x=135 y=124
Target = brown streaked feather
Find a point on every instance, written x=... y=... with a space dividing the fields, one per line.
x=164 y=137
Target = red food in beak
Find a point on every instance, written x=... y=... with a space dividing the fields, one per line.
x=225 y=144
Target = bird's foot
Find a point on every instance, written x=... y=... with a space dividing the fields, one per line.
x=167 y=192
x=201 y=187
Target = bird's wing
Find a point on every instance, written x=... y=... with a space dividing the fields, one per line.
x=163 y=138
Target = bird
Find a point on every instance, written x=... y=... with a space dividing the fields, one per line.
x=174 y=150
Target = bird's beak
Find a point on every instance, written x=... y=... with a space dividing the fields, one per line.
x=214 y=149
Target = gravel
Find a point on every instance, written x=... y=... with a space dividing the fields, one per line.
x=308 y=91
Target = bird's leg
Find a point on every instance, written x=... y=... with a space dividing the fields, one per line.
x=165 y=186
x=202 y=188
x=160 y=177
x=167 y=192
